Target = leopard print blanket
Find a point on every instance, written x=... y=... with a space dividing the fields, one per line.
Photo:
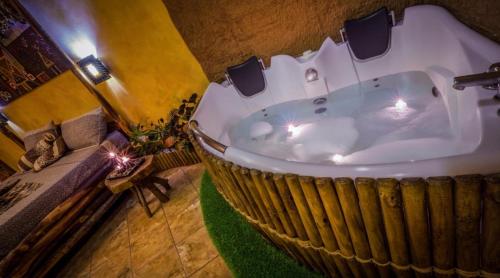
x=14 y=192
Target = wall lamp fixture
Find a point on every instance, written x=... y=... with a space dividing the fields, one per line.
x=94 y=69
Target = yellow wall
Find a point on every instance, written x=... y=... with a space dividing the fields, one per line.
x=152 y=68
x=61 y=98
x=9 y=151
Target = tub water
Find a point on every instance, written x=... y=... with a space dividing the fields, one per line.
x=388 y=119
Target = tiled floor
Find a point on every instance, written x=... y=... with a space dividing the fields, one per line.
x=173 y=243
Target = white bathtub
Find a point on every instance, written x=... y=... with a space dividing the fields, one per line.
x=428 y=40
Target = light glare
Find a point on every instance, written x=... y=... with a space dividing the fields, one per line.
x=93 y=70
x=294 y=130
x=401 y=105
x=83 y=48
x=337 y=158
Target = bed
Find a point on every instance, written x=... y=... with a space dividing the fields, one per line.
x=59 y=196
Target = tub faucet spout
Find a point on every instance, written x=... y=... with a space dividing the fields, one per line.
x=489 y=80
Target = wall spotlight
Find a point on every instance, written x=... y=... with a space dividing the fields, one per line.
x=94 y=69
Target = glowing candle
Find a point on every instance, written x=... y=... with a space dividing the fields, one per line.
x=401 y=105
x=337 y=158
x=294 y=130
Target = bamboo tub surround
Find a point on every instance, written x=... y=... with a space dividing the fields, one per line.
x=175 y=158
x=365 y=227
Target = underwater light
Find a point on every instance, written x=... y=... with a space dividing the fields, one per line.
x=293 y=130
x=337 y=158
x=401 y=105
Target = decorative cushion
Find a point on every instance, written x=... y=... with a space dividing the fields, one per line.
x=50 y=155
x=34 y=136
x=27 y=160
x=84 y=131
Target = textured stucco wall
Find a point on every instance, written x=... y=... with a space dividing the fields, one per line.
x=225 y=32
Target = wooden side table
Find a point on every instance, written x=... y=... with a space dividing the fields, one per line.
x=139 y=179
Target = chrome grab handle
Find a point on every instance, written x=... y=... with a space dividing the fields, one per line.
x=193 y=125
x=489 y=80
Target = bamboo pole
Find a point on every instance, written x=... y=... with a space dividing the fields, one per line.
x=292 y=210
x=335 y=216
x=318 y=212
x=245 y=173
x=40 y=261
x=319 y=265
x=164 y=159
x=324 y=225
x=243 y=197
x=182 y=158
x=179 y=157
x=392 y=211
x=331 y=265
x=349 y=203
x=234 y=197
x=266 y=200
x=235 y=169
x=54 y=232
x=440 y=192
x=467 y=221
x=373 y=221
x=221 y=185
x=77 y=236
x=303 y=210
x=490 y=242
x=270 y=187
x=176 y=158
x=415 y=211
x=41 y=229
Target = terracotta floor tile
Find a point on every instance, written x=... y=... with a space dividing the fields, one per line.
x=112 y=249
x=149 y=244
x=214 y=269
x=194 y=171
x=164 y=264
x=196 y=251
x=180 y=198
x=110 y=271
x=183 y=224
x=130 y=244
x=138 y=220
x=197 y=183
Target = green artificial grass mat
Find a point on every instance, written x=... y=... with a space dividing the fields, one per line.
x=245 y=251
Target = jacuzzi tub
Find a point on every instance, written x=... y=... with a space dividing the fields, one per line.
x=378 y=168
x=429 y=131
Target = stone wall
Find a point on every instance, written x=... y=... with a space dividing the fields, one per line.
x=221 y=33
